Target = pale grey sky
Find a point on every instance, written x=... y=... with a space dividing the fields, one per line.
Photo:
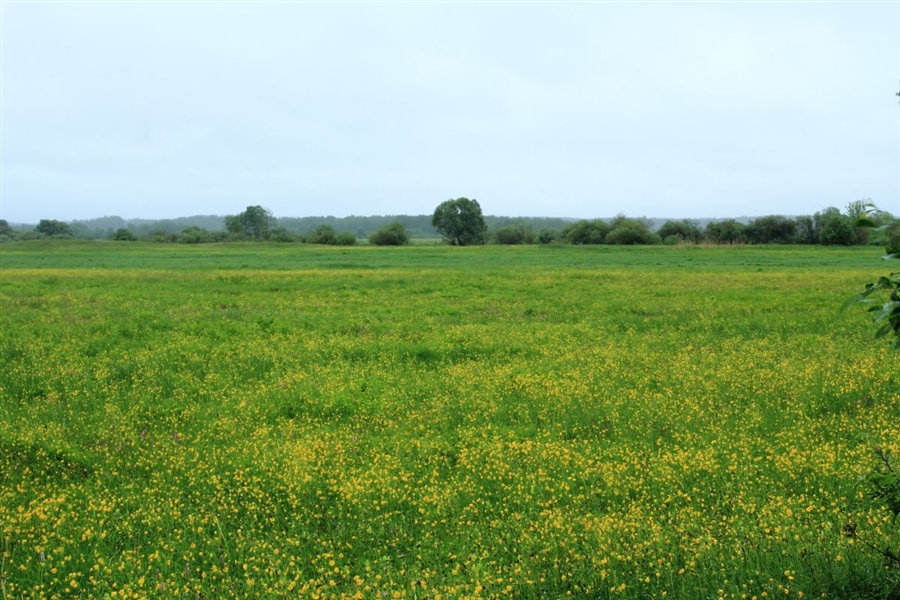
x=168 y=109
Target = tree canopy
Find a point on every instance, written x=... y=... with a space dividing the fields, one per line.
x=253 y=222
x=460 y=222
x=53 y=227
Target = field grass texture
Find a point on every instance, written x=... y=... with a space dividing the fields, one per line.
x=265 y=421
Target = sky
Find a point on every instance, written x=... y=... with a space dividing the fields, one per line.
x=563 y=109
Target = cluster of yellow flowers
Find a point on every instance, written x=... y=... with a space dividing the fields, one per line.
x=438 y=433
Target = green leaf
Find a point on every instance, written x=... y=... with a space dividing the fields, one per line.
x=888 y=309
x=883 y=331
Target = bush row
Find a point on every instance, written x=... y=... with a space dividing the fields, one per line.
x=829 y=227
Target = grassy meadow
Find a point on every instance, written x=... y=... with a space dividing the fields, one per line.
x=286 y=421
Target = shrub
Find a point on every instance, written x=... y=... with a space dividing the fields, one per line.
x=513 y=235
x=161 y=236
x=392 y=234
x=345 y=238
x=772 y=229
x=586 y=232
x=124 y=235
x=548 y=235
x=194 y=235
x=728 y=231
x=323 y=234
x=51 y=227
x=279 y=234
x=805 y=231
x=629 y=232
x=837 y=231
x=31 y=235
x=684 y=229
x=672 y=240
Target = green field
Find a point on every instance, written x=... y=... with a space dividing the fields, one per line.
x=274 y=421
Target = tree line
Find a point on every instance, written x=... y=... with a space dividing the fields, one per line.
x=460 y=221
x=213 y=227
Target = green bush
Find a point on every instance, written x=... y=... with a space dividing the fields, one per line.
x=728 y=231
x=586 y=232
x=771 y=229
x=513 y=235
x=51 y=227
x=392 y=234
x=673 y=239
x=548 y=235
x=629 y=232
x=684 y=229
x=345 y=238
x=194 y=235
x=323 y=234
x=161 y=236
x=279 y=234
x=837 y=231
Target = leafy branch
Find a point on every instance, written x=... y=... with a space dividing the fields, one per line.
x=885 y=482
x=885 y=313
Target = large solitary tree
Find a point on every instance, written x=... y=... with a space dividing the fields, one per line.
x=253 y=222
x=460 y=222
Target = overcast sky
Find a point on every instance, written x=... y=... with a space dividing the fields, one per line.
x=160 y=110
